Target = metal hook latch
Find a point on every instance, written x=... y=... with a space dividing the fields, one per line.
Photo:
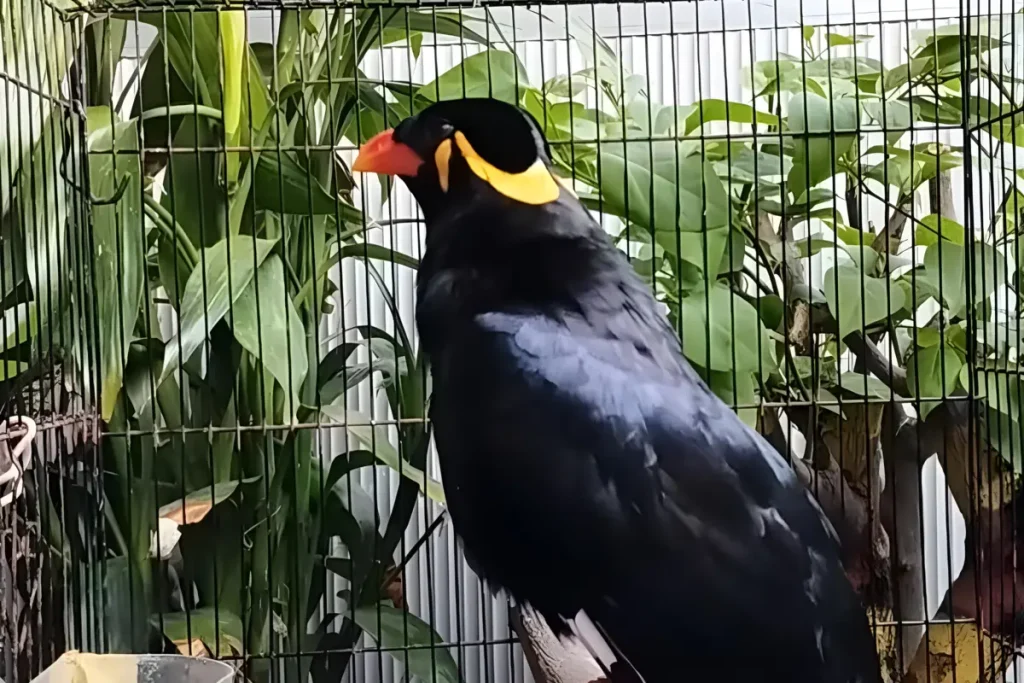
x=20 y=456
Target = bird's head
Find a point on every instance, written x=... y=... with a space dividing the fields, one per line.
x=461 y=148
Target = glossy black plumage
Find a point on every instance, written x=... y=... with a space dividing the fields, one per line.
x=587 y=466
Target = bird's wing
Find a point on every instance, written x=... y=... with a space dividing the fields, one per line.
x=665 y=470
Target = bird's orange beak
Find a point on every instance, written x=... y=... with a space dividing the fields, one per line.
x=381 y=154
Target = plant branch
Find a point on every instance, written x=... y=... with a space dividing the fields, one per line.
x=877 y=363
x=163 y=220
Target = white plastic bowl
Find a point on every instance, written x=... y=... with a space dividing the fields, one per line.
x=82 y=667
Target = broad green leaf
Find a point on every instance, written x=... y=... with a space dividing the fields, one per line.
x=932 y=373
x=567 y=85
x=351 y=515
x=1000 y=390
x=722 y=333
x=1003 y=433
x=281 y=185
x=933 y=227
x=945 y=272
x=695 y=247
x=42 y=213
x=687 y=194
x=119 y=243
x=491 y=73
x=893 y=116
x=194 y=193
x=196 y=62
x=267 y=325
x=838 y=39
x=744 y=165
x=928 y=337
x=438 y=22
x=857 y=301
x=396 y=630
x=772 y=311
x=209 y=293
x=706 y=111
x=234 y=51
x=125 y=610
x=218 y=628
x=36 y=47
x=864 y=385
x=823 y=121
x=739 y=392
x=375 y=438
x=812 y=244
x=9 y=369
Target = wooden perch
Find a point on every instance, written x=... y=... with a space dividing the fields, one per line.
x=551 y=659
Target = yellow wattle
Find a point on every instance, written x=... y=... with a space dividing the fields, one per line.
x=535 y=185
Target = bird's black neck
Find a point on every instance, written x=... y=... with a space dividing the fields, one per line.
x=548 y=275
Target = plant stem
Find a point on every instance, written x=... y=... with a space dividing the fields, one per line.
x=162 y=218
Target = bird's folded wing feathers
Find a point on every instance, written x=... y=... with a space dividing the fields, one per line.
x=693 y=462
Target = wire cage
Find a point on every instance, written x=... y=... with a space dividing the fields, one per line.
x=48 y=463
x=209 y=319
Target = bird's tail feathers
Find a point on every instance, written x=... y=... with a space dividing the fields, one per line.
x=602 y=648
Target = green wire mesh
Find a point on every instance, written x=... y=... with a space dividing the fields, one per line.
x=209 y=318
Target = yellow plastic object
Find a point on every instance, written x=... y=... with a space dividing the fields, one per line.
x=83 y=667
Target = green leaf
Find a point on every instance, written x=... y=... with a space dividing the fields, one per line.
x=706 y=111
x=934 y=227
x=838 y=39
x=267 y=325
x=719 y=326
x=42 y=212
x=932 y=373
x=894 y=117
x=438 y=22
x=125 y=610
x=927 y=337
x=1000 y=390
x=854 y=307
x=945 y=271
x=491 y=73
x=209 y=294
x=281 y=185
x=1003 y=433
x=814 y=243
x=351 y=515
x=397 y=630
x=195 y=196
x=234 y=50
x=814 y=156
x=36 y=49
x=687 y=194
x=375 y=438
x=773 y=311
x=739 y=392
x=218 y=628
x=864 y=385
x=119 y=243
x=196 y=62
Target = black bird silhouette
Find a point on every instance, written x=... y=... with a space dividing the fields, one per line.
x=589 y=470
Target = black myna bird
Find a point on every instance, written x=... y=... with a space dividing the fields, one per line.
x=588 y=468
